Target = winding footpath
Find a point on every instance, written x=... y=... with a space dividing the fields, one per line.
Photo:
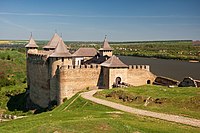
x=172 y=118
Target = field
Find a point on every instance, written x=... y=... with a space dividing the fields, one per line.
x=85 y=116
x=179 y=101
x=174 y=49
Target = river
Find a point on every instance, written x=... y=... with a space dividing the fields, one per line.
x=174 y=69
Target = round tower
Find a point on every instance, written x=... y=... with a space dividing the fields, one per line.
x=60 y=56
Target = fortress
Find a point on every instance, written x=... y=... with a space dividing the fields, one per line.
x=54 y=74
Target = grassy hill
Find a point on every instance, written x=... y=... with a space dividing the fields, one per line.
x=179 y=101
x=12 y=76
x=13 y=67
x=86 y=116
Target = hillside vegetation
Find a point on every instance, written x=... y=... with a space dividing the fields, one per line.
x=12 y=80
x=174 y=49
x=12 y=70
x=85 y=116
x=181 y=50
x=179 y=101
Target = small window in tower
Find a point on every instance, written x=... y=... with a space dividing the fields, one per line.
x=62 y=59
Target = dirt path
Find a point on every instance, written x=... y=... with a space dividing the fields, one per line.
x=172 y=118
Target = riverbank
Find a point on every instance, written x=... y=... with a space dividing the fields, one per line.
x=174 y=69
x=178 y=50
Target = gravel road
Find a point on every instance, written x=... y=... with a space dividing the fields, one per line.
x=168 y=117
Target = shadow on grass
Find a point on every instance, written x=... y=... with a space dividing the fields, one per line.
x=17 y=102
x=22 y=102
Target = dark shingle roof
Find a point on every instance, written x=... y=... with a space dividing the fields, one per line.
x=53 y=42
x=106 y=45
x=114 y=62
x=61 y=50
x=85 y=52
x=31 y=43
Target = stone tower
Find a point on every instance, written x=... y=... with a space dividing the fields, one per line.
x=61 y=56
x=52 y=43
x=115 y=72
x=105 y=50
x=31 y=47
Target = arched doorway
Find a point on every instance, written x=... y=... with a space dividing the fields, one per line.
x=118 y=81
x=148 y=81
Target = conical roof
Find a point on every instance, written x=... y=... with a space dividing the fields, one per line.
x=31 y=43
x=114 y=61
x=61 y=50
x=106 y=45
x=53 y=42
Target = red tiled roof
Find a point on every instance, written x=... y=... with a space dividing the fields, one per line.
x=114 y=62
x=53 y=42
x=106 y=45
x=85 y=52
x=31 y=43
x=61 y=50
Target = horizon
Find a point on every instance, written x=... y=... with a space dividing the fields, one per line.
x=121 y=20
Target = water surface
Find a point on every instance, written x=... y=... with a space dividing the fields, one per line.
x=174 y=69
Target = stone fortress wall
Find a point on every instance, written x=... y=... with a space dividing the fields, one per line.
x=38 y=79
x=52 y=76
x=73 y=79
x=53 y=79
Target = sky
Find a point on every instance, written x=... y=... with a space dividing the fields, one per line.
x=91 y=20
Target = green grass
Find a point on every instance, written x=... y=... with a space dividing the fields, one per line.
x=86 y=116
x=179 y=101
x=13 y=66
x=12 y=100
x=182 y=50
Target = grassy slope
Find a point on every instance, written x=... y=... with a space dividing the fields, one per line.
x=15 y=67
x=14 y=70
x=85 y=116
x=180 y=101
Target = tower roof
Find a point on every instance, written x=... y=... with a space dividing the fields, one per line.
x=61 y=50
x=85 y=52
x=106 y=45
x=53 y=42
x=31 y=43
x=114 y=61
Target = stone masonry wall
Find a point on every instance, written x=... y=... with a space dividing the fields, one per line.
x=117 y=72
x=53 y=65
x=139 y=75
x=76 y=78
x=38 y=80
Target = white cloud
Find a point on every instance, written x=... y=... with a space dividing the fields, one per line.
x=93 y=16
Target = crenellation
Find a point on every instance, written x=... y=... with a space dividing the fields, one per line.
x=52 y=75
x=142 y=67
x=80 y=66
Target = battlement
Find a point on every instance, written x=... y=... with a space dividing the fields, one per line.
x=40 y=53
x=80 y=66
x=145 y=67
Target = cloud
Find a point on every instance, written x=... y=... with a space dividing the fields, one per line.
x=92 y=16
x=8 y=22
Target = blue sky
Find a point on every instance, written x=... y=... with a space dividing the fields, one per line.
x=89 y=20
